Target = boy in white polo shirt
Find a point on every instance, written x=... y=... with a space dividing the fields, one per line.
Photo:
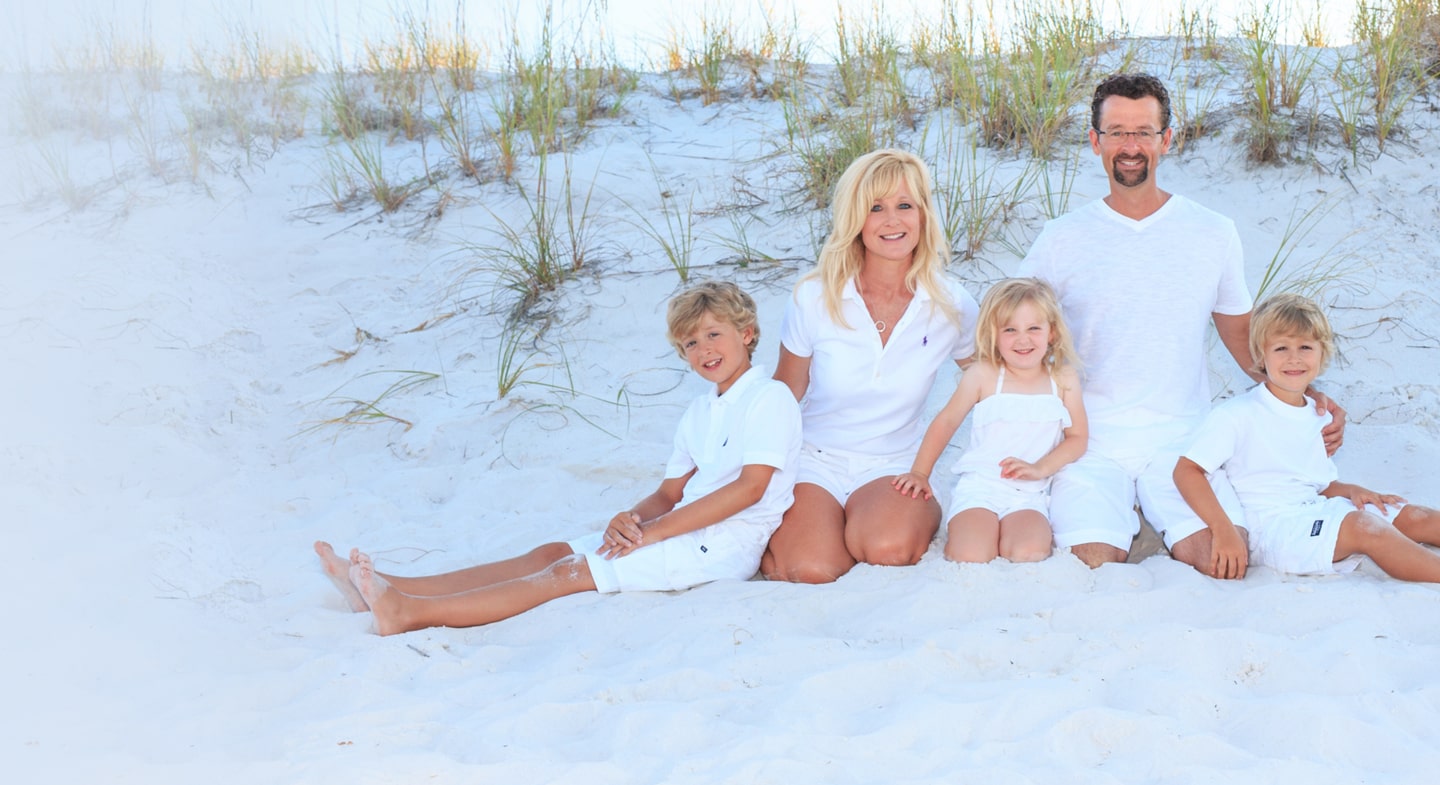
x=727 y=483
x=1301 y=518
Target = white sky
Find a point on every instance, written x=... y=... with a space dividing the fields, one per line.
x=32 y=30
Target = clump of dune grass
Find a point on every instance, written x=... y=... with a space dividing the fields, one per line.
x=552 y=241
x=374 y=409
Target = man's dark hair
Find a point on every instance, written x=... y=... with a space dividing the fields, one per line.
x=1135 y=87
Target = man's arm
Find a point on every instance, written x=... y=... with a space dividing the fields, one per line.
x=1234 y=330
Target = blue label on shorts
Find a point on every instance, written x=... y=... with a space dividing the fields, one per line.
x=1316 y=527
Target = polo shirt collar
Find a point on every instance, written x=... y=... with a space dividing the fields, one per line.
x=754 y=376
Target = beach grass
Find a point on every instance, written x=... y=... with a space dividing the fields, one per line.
x=995 y=94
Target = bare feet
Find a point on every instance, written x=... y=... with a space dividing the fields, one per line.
x=383 y=601
x=338 y=570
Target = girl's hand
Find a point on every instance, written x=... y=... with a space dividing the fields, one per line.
x=1016 y=469
x=623 y=535
x=912 y=485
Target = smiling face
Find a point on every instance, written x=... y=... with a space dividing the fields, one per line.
x=892 y=227
x=1291 y=363
x=1127 y=160
x=718 y=351
x=1024 y=338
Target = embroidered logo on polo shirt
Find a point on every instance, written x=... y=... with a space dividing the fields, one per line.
x=1316 y=527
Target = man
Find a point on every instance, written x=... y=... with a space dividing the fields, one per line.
x=1141 y=274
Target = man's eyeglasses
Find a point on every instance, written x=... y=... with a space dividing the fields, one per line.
x=1121 y=137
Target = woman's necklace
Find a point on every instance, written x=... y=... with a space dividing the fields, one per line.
x=880 y=324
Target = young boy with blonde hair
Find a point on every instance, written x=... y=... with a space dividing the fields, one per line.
x=729 y=479
x=1301 y=518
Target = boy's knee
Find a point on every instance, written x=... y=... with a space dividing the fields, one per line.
x=553 y=551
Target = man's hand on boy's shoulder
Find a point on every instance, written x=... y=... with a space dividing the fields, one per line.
x=1334 y=433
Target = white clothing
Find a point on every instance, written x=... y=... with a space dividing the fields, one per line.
x=721 y=551
x=1273 y=451
x=1004 y=424
x=1276 y=460
x=756 y=421
x=866 y=398
x=972 y=491
x=1301 y=539
x=1138 y=297
x=841 y=474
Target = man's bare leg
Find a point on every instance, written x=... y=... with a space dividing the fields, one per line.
x=1196 y=550
x=338 y=571
x=1095 y=554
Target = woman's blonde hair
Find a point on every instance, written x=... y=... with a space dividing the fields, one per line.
x=721 y=299
x=1001 y=302
x=872 y=177
x=1290 y=314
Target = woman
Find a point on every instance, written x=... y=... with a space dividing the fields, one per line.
x=863 y=337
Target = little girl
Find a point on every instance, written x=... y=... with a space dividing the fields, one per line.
x=1029 y=423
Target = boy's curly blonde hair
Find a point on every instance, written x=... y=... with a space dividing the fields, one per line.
x=721 y=299
x=1290 y=314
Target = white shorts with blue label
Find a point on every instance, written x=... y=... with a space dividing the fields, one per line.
x=1301 y=539
x=728 y=549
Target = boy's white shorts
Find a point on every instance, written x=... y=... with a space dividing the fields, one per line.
x=841 y=474
x=994 y=494
x=1301 y=539
x=728 y=549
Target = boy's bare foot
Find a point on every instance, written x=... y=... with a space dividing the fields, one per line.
x=383 y=601
x=338 y=570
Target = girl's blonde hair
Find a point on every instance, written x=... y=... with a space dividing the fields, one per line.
x=721 y=299
x=872 y=177
x=1001 y=302
x=1290 y=314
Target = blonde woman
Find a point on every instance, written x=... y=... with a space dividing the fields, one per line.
x=863 y=337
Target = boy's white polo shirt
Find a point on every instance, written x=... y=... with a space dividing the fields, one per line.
x=866 y=398
x=756 y=421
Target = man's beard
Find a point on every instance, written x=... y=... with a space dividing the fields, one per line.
x=1131 y=179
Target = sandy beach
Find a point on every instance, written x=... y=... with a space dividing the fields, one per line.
x=185 y=357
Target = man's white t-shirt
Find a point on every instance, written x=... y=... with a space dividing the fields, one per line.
x=1138 y=298
x=865 y=398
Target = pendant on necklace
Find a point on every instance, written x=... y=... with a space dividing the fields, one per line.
x=879 y=325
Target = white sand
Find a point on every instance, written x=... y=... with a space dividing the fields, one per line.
x=165 y=351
